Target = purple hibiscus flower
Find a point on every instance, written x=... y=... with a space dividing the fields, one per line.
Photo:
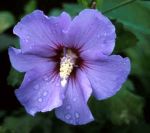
x=66 y=61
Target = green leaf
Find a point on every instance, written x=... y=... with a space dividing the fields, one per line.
x=6 y=41
x=62 y=128
x=134 y=15
x=73 y=9
x=141 y=127
x=27 y=124
x=125 y=38
x=6 y=20
x=140 y=56
x=55 y=12
x=30 y=6
x=2 y=130
x=123 y=105
x=14 y=78
x=99 y=4
x=120 y=109
x=85 y=3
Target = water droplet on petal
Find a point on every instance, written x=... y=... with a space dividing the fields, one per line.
x=71 y=121
x=27 y=36
x=64 y=31
x=74 y=99
x=40 y=100
x=27 y=41
x=52 y=80
x=98 y=36
x=77 y=115
x=67 y=116
x=45 y=93
x=57 y=84
x=63 y=96
x=56 y=24
x=30 y=46
x=104 y=33
x=28 y=79
x=124 y=63
x=36 y=86
x=68 y=107
x=46 y=78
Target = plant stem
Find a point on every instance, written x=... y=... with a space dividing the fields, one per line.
x=93 y=6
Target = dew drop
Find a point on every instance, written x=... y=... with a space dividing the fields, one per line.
x=27 y=41
x=74 y=99
x=40 y=100
x=36 y=86
x=57 y=84
x=64 y=31
x=67 y=116
x=28 y=79
x=52 y=80
x=56 y=24
x=68 y=107
x=27 y=36
x=45 y=93
x=30 y=46
x=63 y=96
x=77 y=115
x=46 y=78
x=71 y=121
x=98 y=36
x=124 y=63
x=104 y=33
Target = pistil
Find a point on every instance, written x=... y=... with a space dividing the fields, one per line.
x=66 y=67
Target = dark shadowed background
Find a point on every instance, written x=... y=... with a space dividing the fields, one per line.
x=126 y=112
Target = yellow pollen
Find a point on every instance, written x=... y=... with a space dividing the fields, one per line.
x=66 y=67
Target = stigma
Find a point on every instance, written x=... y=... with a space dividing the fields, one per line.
x=66 y=67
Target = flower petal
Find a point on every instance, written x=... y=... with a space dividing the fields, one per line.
x=40 y=90
x=24 y=62
x=40 y=33
x=91 y=29
x=74 y=109
x=107 y=76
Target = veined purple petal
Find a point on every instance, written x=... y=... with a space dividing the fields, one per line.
x=91 y=29
x=107 y=76
x=24 y=62
x=39 y=33
x=40 y=90
x=74 y=109
x=93 y=54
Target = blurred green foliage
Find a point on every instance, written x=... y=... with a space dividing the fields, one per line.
x=6 y=41
x=134 y=15
x=120 y=109
x=124 y=112
x=15 y=78
x=26 y=124
x=30 y=6
x=125 y=38
x=6 y=20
